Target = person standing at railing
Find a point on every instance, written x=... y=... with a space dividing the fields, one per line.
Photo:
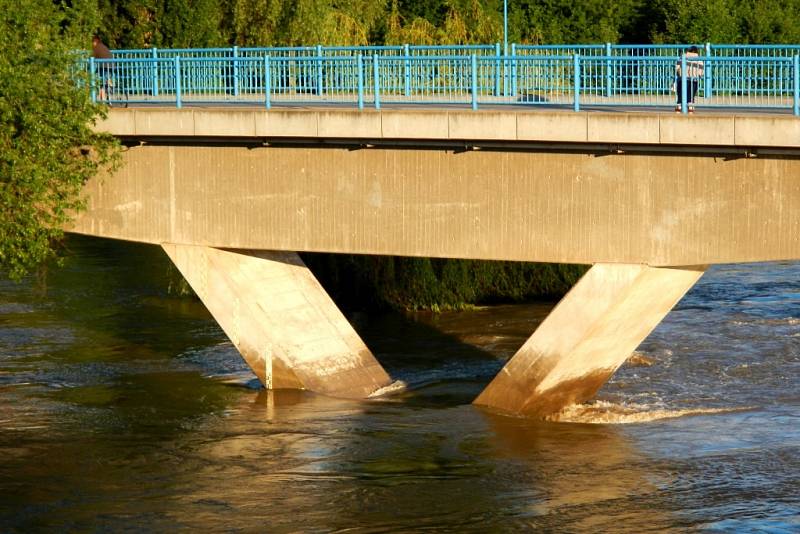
x=104 y=68
x=694 y=71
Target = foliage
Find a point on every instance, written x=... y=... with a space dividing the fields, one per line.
x=773 y=21
x=47 y=147
x=163 y=23
x=307 y=22
x=686 y=21
x=428 y=283
x=198 y=23
x=258 y=22
x=566 y=21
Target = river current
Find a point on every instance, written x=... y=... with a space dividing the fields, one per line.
x=123 y=409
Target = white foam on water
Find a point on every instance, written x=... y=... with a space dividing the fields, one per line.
x=398 y=386
x=639 y=359
x=786 y=321
x=603 y=412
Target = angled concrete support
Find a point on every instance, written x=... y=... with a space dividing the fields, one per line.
x=284 y=324
x=586 y=337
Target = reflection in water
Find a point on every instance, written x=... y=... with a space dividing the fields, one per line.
x=588 y=475
x=121 y=409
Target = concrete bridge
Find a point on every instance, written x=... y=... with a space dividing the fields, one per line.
x=649 y=199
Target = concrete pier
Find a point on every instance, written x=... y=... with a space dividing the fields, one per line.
x=585 y=339
x=280 y=318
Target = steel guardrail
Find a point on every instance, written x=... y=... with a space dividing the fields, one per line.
x=761 y=77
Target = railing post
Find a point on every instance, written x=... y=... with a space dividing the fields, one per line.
x=498 y=68
x=376 y=81
x=235 y=71
x=576 y=82
x=360 y=65
x=514 y=69
x=708 y=73
x=609 y=77
x=796 y=61
x=474 y=84
x=267 y=83
x=407 y=69
x=320 y=73
x=683 y=87
x=93 y=79
x=177 y=62
x=154 y=71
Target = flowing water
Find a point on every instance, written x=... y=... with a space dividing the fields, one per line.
x=123 y=409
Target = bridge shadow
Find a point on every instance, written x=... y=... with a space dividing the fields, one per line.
x=448 y=358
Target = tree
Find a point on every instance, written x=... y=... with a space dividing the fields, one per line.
x=568 y=21
x=258 y=22
x=192 y=23
x=768 y=21
x=419 y=31
x=171 y=23
x=691 y=21
x=470 y=22
x=47 y=147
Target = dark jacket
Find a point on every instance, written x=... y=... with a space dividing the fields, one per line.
x=100 y=51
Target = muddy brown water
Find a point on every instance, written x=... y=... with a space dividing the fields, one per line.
x=124 y=409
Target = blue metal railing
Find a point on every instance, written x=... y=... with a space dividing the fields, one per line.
x=558 y=75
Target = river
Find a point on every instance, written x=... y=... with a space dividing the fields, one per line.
x=124 y=409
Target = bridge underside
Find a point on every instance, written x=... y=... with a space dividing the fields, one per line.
x=232 y=217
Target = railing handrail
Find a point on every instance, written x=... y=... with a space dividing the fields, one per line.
x=575 y=75
x=519 y=58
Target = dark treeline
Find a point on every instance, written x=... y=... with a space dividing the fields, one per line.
x=204 y=23
x=376 y=282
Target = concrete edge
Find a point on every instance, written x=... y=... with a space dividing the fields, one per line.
x=498 y=125
x=767 y=131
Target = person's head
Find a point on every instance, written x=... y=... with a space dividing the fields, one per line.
x=693 y=49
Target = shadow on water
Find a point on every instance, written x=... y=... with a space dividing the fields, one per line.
x=447 y=359
x=123 y=289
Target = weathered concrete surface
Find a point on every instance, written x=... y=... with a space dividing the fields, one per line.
x=557 y=207
x=697 y=130
x=768 y=131
x=170 y=122
x=588 y=335
x=555 y=127
x=510 y=125
x=280 y=319
x=365 y=125
x=625 y=128
x=413 y=125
